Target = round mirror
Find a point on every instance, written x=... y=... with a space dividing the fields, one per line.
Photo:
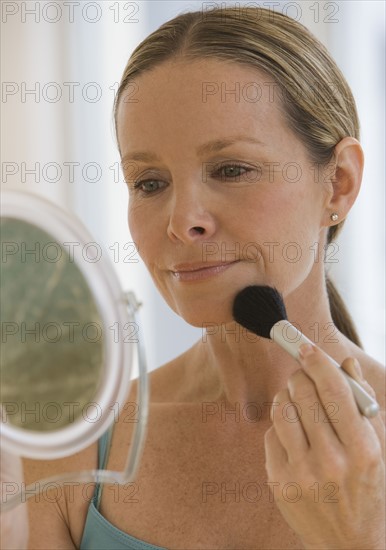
x=65 y=364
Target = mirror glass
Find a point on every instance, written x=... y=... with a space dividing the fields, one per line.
x=52 y=347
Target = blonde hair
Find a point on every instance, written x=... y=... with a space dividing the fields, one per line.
x=315 y=98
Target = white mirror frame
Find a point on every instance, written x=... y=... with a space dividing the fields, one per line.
x=114 y=305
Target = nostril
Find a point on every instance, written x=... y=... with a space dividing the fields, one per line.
x=199 y=230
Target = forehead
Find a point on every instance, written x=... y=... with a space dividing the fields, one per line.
x=190 y=100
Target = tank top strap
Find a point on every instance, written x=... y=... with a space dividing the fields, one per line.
x=104 y=444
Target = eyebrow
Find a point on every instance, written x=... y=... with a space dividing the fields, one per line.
x=208 y=147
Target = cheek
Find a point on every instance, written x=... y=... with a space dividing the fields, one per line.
x=265 y=219
x=285 y=230
x=133 y=220
x=143 y=230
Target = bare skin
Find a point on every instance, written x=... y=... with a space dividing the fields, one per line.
x=193 y=455
x=193 y=459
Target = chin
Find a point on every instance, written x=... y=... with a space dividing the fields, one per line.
x=201 y=308
x=200 y=303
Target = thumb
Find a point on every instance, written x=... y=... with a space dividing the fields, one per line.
x=352 y=367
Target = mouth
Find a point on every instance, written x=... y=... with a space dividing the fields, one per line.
x=198 y=272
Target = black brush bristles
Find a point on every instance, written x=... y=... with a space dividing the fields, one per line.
x=258 y=308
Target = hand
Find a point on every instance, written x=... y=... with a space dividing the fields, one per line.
x=325 y=461
x=13 y=523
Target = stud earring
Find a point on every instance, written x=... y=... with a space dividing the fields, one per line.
x=334 y=216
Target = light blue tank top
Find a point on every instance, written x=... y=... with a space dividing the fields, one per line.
x=100 y=534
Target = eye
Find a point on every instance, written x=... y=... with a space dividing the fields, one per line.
x=231 y=171
x=149 y=186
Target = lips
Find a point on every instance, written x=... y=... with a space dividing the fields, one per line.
x=200 y=271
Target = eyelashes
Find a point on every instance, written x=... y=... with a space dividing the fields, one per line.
x=227 y=172
x=231 y=168
x=140 y=186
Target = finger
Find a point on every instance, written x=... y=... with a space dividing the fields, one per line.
x=352 y=367
x=332 y=387
x=289 y=428
x=275 y=454
x=316 y=422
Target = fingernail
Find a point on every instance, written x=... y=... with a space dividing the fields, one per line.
x=358 y=369
x=306 y=349
x=274 y=404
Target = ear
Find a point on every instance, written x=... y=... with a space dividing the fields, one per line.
x=346 y=179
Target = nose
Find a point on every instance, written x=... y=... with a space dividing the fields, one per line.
x=190 y=217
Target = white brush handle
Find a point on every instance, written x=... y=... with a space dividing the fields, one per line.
x=290 y=339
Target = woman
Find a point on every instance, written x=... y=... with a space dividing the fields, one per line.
x=239 y=143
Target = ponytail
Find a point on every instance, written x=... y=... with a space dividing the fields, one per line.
x=340 y=315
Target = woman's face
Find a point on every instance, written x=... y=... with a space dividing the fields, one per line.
x=216 y=178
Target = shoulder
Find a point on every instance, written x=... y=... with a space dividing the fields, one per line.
x=51 y=513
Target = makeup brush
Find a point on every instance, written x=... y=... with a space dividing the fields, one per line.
x=261 y=310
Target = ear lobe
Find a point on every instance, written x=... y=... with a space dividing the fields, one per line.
x=347 y=179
